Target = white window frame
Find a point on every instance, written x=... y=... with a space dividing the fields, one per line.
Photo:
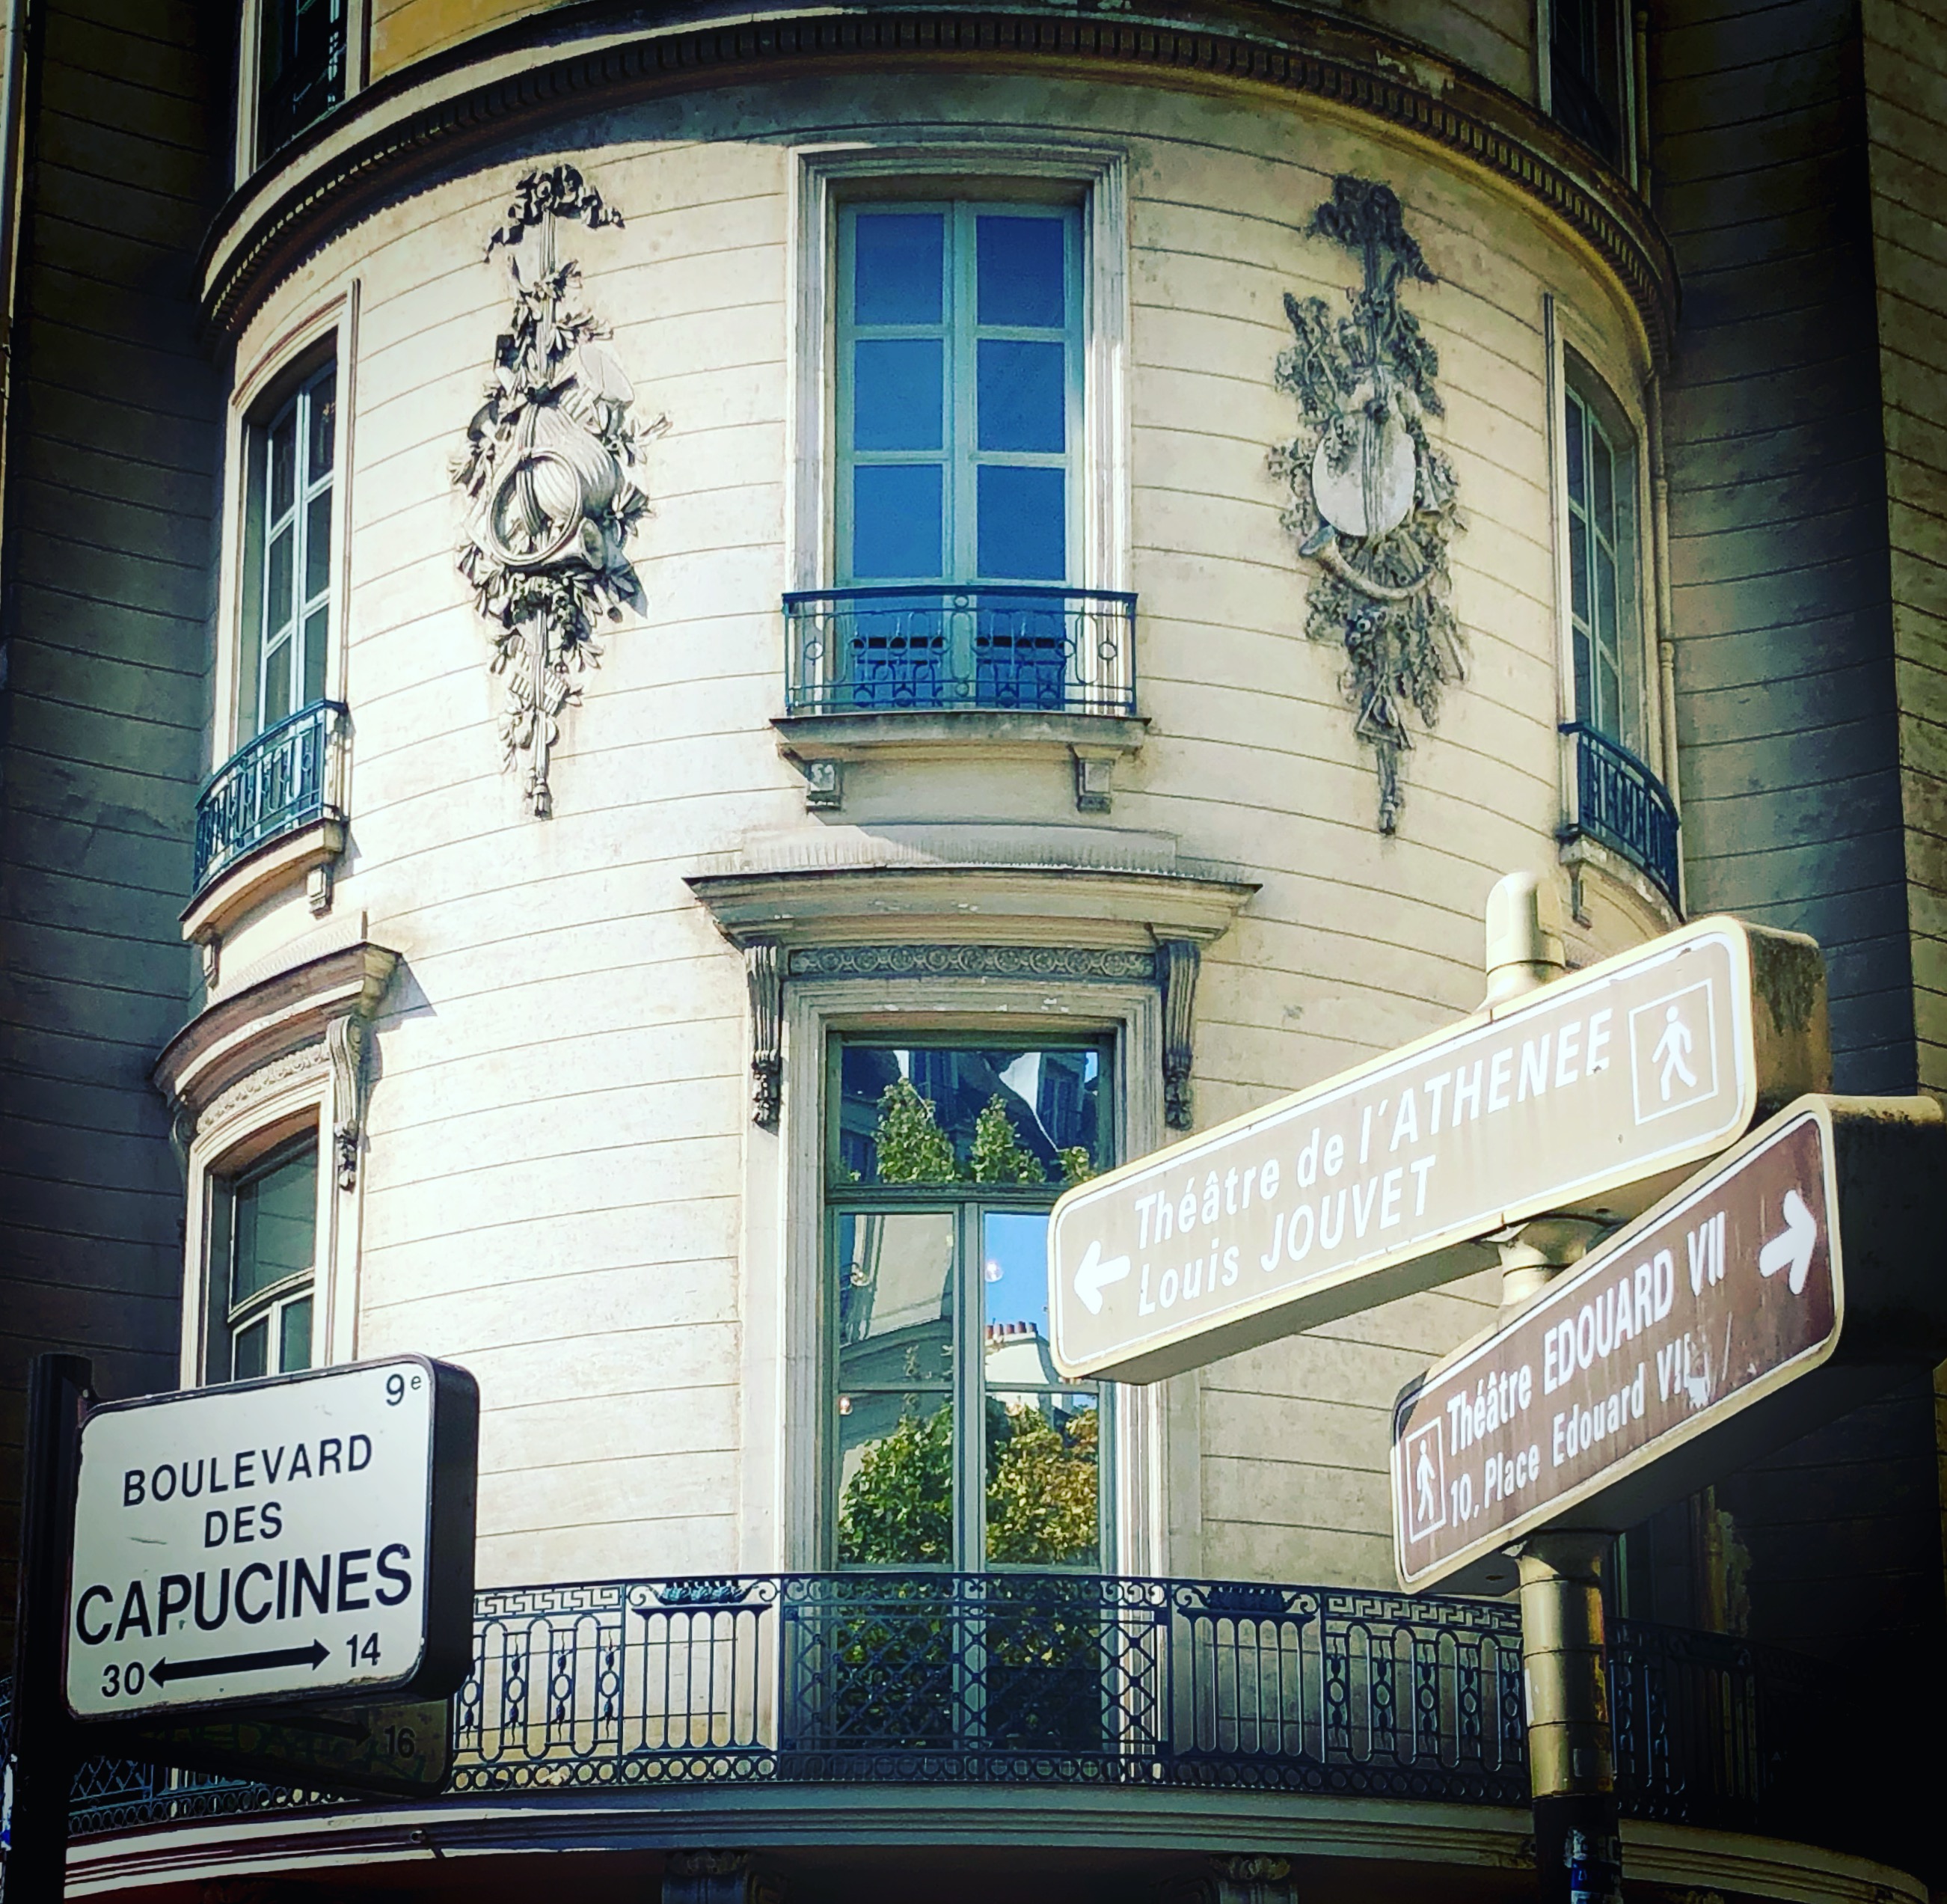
x=293 y=354
x=943 y=164
x=783 y=1399
x=261 y=1113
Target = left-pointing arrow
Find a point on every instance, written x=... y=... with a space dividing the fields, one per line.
x=1092 y=1275
x=314 y=1655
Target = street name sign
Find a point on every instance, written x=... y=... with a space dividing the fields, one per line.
x=306 y=1537
x=403 y=1751
x=1775 y=1288
x=1589 y=1096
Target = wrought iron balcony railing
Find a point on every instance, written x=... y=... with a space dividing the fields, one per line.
x=901 y=650
x=1054 y=1680
x=1621 y=802
x=270 y=786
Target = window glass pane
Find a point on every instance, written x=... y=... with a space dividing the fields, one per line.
x=276 y=697
x=1578 y=488
x=313 y=656
x=1022 y=397
x=897 y=387
x=899 y=267
x=1022 y=531
x=249 y=1350
x=1044 y=1478
x=1021 y=271
x=1584 y=682
x=284 y=463
x=323 y=411
x=895 y=1299
x=294 y=1337
x=277 y=585
x=1602 y=470
x=895 y=1481
x=1578 y=568
x=276 y=1213
x=940 y=1114
x=317 y=545
x=895 y=522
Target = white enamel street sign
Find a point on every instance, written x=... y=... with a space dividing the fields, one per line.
x=1591 y=1095
x=1699 y=1336
x=306 y=1537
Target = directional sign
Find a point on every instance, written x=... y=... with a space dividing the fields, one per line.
x=308 y=1537
x=1592 y=1095
x=1728 y=1321
x=395 y=1751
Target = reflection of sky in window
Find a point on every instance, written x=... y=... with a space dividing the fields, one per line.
x=1015 y=1246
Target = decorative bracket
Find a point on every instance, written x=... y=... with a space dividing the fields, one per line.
x=345 y=1039
x=1178 y=961
x=763 y=972
x=1234 y=1879
x=719 y=1877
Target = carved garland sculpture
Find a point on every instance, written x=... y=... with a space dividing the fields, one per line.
x=546 y=474
x=1372 y=502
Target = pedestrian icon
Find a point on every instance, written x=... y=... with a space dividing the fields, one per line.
x=1673 y=1046
x=1425 y=1457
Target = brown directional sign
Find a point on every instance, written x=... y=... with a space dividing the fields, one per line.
x=1695 y=1338
x=1594 y=1095
x=393 y=1750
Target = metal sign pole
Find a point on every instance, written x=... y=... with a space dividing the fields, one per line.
x=41 y=1754
x=1578 y=1854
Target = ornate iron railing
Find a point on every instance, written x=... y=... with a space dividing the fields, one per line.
x=1621 y=802
x=906 y=650
x=1054 y=1680
x=270 y=786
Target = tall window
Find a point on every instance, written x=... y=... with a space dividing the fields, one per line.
x=287 y=591
x=300 y=67
x=1585 y=71
x=959 y=393
x=262 y=1250
x=954 y=1443
x=1603 y=605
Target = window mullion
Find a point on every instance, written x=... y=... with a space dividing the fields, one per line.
x=970 y=1404
x=963 y=322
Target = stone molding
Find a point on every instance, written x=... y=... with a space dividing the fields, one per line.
x=314 y=1016
x=1063 y=963
x=423 y=122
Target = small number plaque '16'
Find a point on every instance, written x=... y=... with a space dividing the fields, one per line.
x=306 y=1538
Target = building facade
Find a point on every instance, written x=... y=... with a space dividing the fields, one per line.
x=664 y=666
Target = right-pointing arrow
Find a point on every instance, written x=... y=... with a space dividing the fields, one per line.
x=1791 y=1248
x=1092 y=1275
x=165 y=1671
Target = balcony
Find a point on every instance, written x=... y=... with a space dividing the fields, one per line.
x=911 y=673
x=271 y=787
x=1620 y=804
x=1039 y=1679
x=887 y=650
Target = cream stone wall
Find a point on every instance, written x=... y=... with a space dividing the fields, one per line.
x=558 y=1127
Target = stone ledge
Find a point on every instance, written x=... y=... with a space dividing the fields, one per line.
x=279 y=863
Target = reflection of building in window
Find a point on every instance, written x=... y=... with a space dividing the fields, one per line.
x=287 y=593
x=944 y=1161
x=262 y=1253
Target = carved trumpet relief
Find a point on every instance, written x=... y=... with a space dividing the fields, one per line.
x=548 y=472
x=1372 y=502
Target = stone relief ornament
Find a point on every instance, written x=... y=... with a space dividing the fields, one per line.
x=1372 y=502
x=547 y=473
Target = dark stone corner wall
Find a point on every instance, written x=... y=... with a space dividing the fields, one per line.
x=113 y=452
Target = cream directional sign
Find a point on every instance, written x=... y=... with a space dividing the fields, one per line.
x=1592 y=1095
x=306 y=1538
x=1699 y=1336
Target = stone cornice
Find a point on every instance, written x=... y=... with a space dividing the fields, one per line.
x=415 y=126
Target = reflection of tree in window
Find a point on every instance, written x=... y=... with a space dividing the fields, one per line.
x=943 y=1373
